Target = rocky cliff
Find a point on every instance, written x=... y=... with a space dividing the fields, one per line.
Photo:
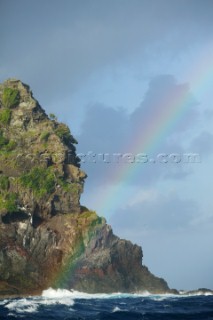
x=46 y=237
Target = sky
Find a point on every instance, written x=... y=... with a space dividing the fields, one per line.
x=133 y=80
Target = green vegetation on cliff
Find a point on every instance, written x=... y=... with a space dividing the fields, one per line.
x=3 y=141
x=45 y=136
x=8 y=202
x=10 y=97
x=40 y=180
x=6 y=145
x=5 y=116
x=4 y=183
x=63 y=132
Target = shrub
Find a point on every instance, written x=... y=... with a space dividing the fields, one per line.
x=89 y=214
x=63 y=132
x=52 y=116
x=10 y=145
x=5 y=144
x=45 y=135
x=3 y=141
x=8 y=202
x=5 y=116
x=74 y=187
x=4 y=183
x=40 y=180
x=69 y=187
x=10 y=97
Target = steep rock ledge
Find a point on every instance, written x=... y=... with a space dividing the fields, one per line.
x=46 y=237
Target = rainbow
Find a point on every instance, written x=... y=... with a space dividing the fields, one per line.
x=173 y=109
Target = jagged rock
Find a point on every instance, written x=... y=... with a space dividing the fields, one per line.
x=46 y=237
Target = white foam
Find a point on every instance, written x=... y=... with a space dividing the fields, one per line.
x=58 y=293
x=22 y=306
x=196 y=293
x=49 y=297
x=159 y=298
x=67 y=295
x=116 y=309
x=59 y=296
x=61 y=293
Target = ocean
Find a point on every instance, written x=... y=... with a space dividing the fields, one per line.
x=73 y=305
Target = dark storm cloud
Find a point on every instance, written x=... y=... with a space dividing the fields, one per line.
x=104 y=129
x=108 y=131
x=55 y=46
x=164 y=91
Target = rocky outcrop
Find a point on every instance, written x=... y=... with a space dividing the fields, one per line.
x=46 y=237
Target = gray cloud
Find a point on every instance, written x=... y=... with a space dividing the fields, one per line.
x=107 y=130
x=104 y=129
x=164 y=91
x=55 y=48
x=203 y=143
x=208 y=114
x=156 y=213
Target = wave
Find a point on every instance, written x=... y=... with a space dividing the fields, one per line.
x=196 y=293
x=67 y=297
x=64 y=293
x=116 y=309
x=52 y=293
x=58 y=293
x=22 y=306
x=68 y=301
x=48 y=297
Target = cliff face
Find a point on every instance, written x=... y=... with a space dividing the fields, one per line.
x=46 y=237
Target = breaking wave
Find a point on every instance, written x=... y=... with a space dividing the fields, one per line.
x=63 y=293
x=63 y=304
x=48 y=297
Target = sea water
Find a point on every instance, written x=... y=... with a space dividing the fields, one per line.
x=65 y=304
